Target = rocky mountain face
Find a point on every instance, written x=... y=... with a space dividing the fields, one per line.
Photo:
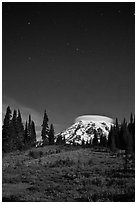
x=86 y=130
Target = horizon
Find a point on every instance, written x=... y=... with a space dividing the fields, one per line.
x=39 y=128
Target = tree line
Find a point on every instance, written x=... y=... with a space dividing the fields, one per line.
x=16 y=136
x=122 y=136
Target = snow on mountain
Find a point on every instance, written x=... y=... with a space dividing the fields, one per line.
x=86 y=126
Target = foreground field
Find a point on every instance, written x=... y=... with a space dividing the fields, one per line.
x=70 y=174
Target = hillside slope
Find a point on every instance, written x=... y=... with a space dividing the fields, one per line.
x=66 y=173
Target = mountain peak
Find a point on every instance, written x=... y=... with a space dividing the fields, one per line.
x=86 y=126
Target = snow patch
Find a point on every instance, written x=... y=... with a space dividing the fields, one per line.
x=86 y=126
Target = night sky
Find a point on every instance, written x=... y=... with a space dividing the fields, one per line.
x=70 y=58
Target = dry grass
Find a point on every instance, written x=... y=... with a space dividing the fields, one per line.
x=67 y=174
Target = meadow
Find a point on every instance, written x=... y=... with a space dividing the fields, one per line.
x=69 y=174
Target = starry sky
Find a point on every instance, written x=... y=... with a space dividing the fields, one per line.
x=71 y=59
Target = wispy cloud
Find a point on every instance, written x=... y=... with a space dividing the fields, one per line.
x=25 y=111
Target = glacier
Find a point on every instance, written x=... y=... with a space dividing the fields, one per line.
x=85 y=127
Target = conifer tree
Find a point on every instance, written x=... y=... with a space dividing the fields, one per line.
x=90 y=142
x=87 y=143
x=131 y=118
x=6 y=131
x=126 y=136
x=122 y=136
x=129 y=146
x=29 y=126
x=45 y=129
x=103 y=140
x=20 y=132
x=111 y=139
x=124 y=127
x=83 y=142
x=64 y=140
x=26 y=135
x=29 y=132
x=59 y=140
x=14 y=133
x=113 y=142
x=133 y=136
x=72 y=142
x=117 y=126
x=95 y=139
x=33 y=134
x=116 y=132
x=51 y=135
x=131 y=128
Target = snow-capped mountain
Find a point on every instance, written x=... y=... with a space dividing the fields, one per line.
x=85 y=128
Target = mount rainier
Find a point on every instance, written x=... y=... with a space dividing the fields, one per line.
x=85 y=127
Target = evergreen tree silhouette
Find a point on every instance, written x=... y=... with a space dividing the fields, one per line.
x=131 y=128
x=6 y=131
x=90 y=142
x=133 y=131
x=103 y=140
x=87 y=143
x=129 y=146
x=109 y=136
x=125 y=135
x=131 y=118
x=14 y=137
x=95 y=139
x=20 y=132
x=33 y=134
x=83 y=142
x=26 y=135
x=51 y=135
x=111 y=139
x=45 y=129
x=29 y=126
x=29 y=132
x=59 y=140
x=116 y=132
x=14 y=132
x=64 y=140
x=122 y=136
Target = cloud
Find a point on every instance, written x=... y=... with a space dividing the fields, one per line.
x=25 y=111
x=95 y=118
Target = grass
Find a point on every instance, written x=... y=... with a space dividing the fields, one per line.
x=62 y=162
x=69 y=174
x=35 y=154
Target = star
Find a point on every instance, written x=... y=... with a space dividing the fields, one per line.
x=29 y=22
x=76 y=51
x=29 y=58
